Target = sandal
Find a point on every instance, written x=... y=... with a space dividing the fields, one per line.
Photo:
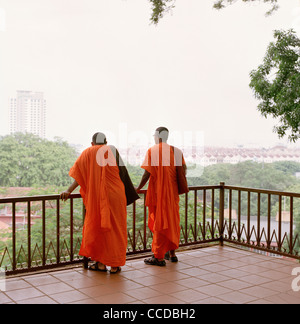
x=155 y=261
x=95 y=267
x=113 y=272
x=172 y=259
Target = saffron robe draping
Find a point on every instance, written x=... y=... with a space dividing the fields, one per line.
x=104 y=235
x=162 y=198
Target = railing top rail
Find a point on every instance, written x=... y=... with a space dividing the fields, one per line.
x=203 y=187
x=264 y=191
x=77 y=195
x=34 y=198
x=192 y=188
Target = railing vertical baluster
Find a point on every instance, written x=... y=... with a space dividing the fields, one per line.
x=85 y=259
x=248 y=218
x=71 y=229
x=14 y=261
x=221 y=212
x=213 y=212
x=44 y=231
x=186 y=217
x=83 y=213
x=133 y=227
x=258 y=220
x=269 y=223
x=57 y=232
x=230 y=213
x=145 y=223
x=279 y=222
x=239 y=216
x=28 y=234
x=204 y=214
x=195 y=216
x=291 y=224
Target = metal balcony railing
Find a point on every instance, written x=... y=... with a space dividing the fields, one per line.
x=43 y=232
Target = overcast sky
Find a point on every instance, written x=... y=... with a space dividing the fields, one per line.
x=103 y=67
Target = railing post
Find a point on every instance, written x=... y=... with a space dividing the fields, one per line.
x=291 y=245
x=145 y=223
x=57 y=231
x=14 y=261
x=213 y=213
x=133 y=227
x=44 y=231
x=71 y=229
x=258 y=220
x=269 y=240
x=186 y=218
x=279 y=223
x=85 y=259
x=221 y=211
x=195 y=215
x=29 y=234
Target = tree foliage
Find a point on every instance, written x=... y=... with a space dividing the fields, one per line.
x=220 y=4
x=276 y=83
x=270 y=176
x=161 y=7
x=27 y=160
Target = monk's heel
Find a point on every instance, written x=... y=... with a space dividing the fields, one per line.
x=85 y=262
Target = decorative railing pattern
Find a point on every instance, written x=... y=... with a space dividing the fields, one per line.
x=48 y=232
x=271 y=220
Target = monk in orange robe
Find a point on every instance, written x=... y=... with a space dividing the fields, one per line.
x=104 y=236
x=162 y=197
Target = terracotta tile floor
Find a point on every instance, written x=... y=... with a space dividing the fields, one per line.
x=207 y=275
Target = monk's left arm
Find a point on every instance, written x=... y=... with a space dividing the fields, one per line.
x=65 y=195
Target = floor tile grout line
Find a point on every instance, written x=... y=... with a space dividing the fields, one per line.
x=15 y=301
x=43 y=293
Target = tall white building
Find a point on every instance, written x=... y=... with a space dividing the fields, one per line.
x=27 y=113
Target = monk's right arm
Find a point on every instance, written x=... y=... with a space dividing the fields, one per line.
x=144 y=180
x=65 y=195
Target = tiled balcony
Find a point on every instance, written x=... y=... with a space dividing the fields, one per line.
x=205 y=275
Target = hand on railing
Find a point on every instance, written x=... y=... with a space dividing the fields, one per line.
x=65 y=195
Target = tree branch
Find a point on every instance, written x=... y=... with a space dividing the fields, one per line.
x=161 y=7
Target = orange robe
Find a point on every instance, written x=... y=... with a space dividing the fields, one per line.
x=104 y=235
x=162 y=199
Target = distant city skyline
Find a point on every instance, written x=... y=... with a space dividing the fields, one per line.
x=209 y=155
x=27 y=113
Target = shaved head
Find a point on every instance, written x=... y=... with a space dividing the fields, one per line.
x=99 y=138
x=162 y=133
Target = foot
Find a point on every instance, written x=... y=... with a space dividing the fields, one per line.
x=114 y=270
x=98 y=266
x=170 y=255
x=155 y=261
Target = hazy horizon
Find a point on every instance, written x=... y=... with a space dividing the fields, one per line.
x=103 y=67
